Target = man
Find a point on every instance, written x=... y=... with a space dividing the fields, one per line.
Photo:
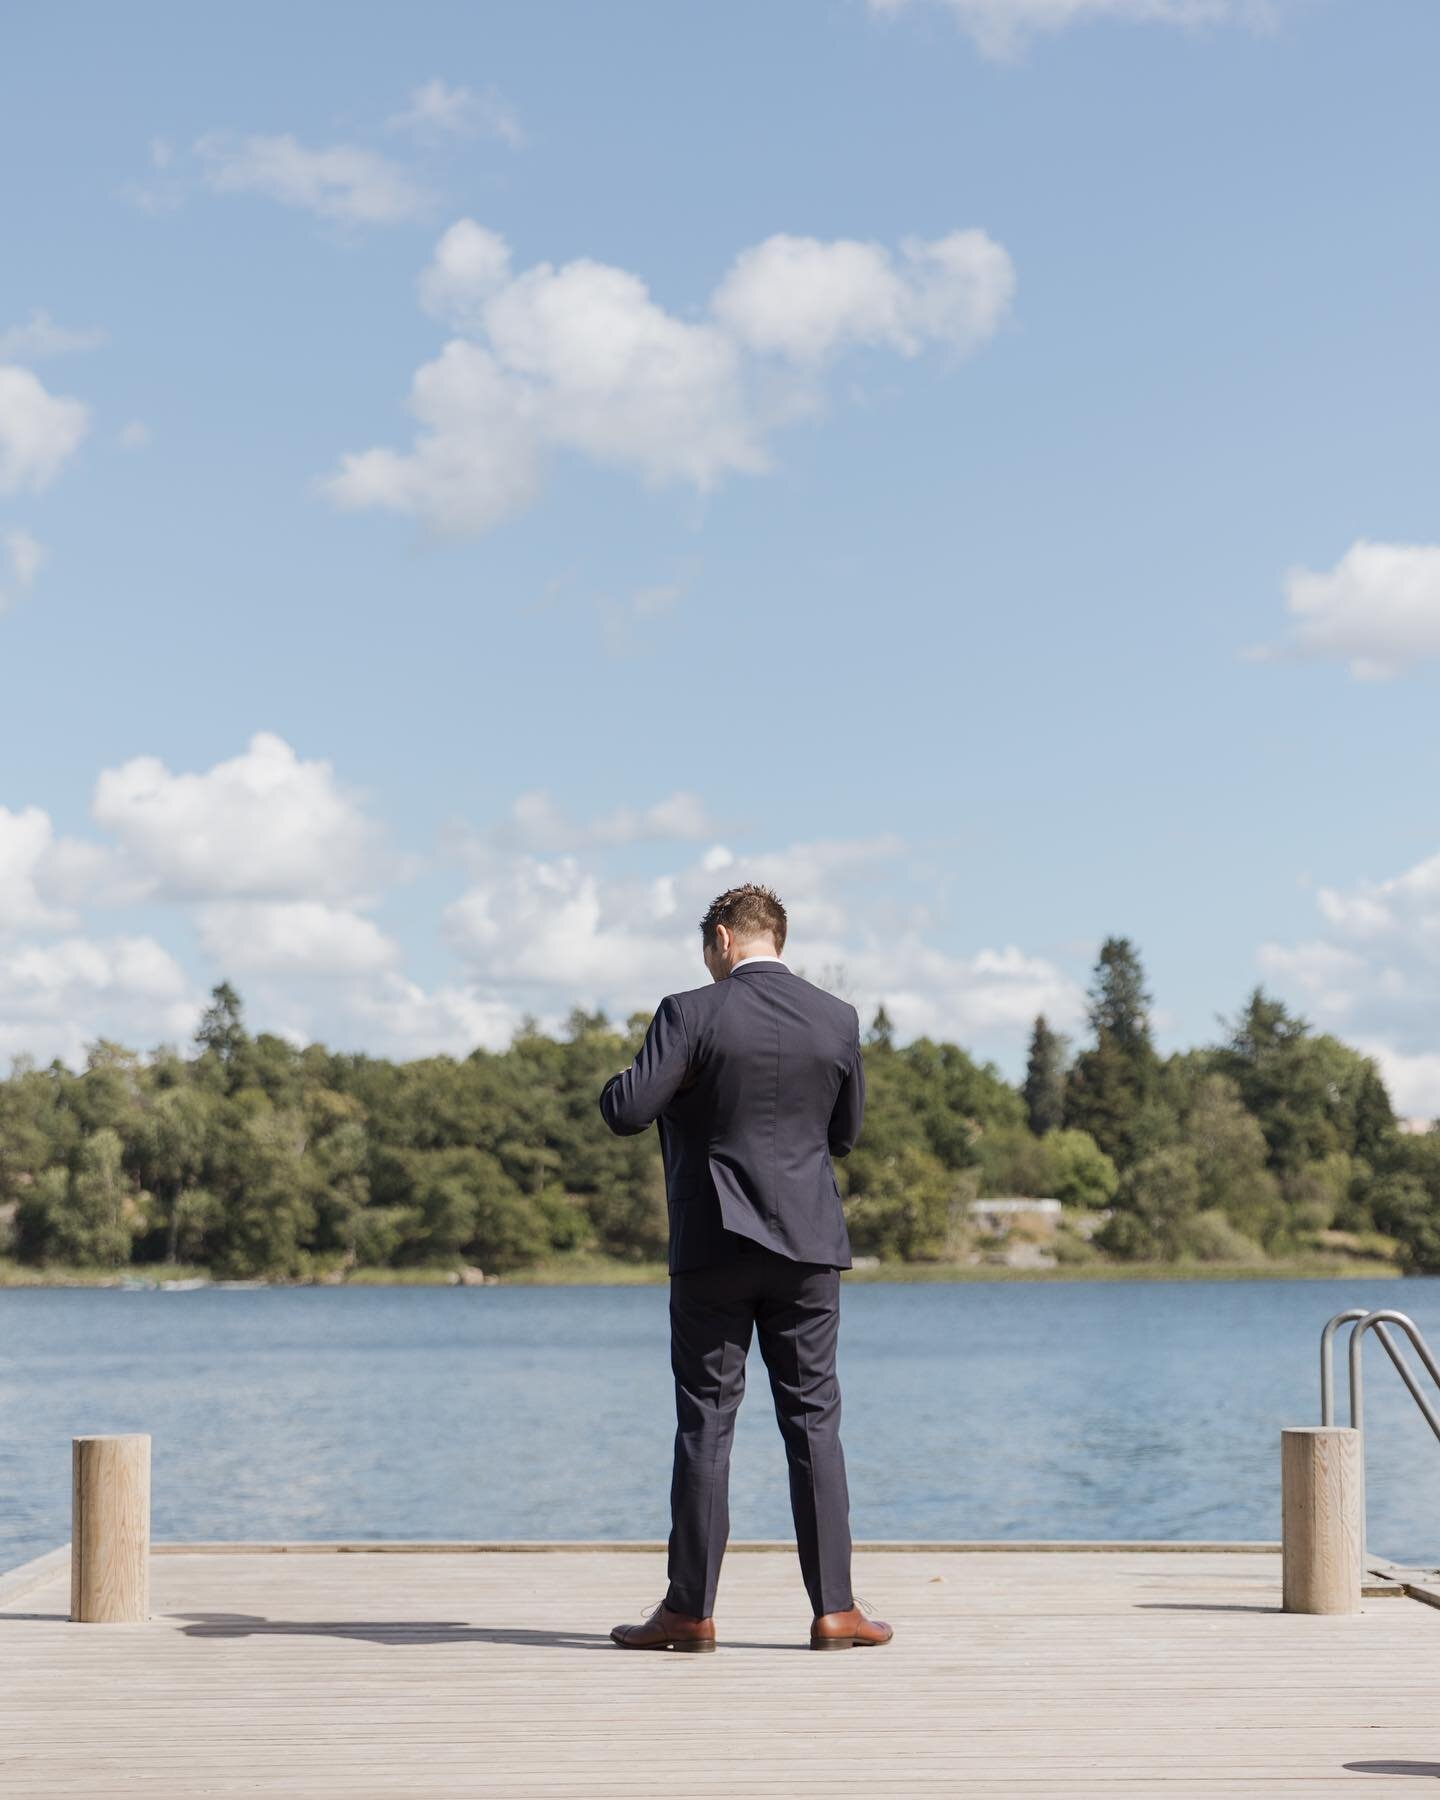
x=756 y=1082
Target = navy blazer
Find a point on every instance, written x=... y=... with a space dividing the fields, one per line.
x=756 y=1082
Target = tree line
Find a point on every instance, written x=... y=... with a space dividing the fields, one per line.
x=253 y=1157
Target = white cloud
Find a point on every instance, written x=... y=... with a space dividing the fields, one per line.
x=277 y=868
x=405 y=1019
x=26 y=844
x=546 y=925
x=270 y=859
x=1330 y=977
x=1373 y=973
x=581 y=358
x=470 y=265
x=437 y=111
x=24 y=553
x=599 y=367
x=263 y=825
x=475 y=462
x=41 y=336
x=801 y=298
x=552 y=933
x=536 y=822
x=1377 y=611
x=39 y=430
x=57 y=997
x=1413 y=1081
x=989 y=996
x=342 y=182
x=1002 y=28
x=78 y=873
x=299 y=936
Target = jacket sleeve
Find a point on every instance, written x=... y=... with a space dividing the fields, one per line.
x=632 y=1100
x=849 y=1108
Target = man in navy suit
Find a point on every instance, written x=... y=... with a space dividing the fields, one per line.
x=756 y=1082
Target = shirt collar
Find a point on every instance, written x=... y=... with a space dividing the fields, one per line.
x=745 y=962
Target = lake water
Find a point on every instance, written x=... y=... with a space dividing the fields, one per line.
x=1086 y=1410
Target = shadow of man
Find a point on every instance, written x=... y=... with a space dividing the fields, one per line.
x=388 y=1631
x=404 y=1632
x=1432 y=1769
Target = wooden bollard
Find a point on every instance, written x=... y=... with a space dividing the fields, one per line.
x=1322 y=1512
x=110 y=1530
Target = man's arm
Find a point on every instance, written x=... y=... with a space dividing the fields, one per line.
x=632 y=1100
x=849 y=1108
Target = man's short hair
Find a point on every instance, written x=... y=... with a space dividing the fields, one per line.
x=748 y=911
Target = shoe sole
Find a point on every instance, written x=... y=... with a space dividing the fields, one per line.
x=850 y=1643
x=689 y=1646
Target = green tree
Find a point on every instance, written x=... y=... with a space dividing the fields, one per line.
x=1230 y=1160
x=258 y=1157
x=1156 y=1204
x=1077 y=1171
x=89 y=1214
x=169 y=1142
x=221 y=1031
x=269 y=1215
x=881 y=1035
x=900 y=1206
x=1406 y=1209
x=1044 y=1088
x=1013 y=1164
x=1403 y=1200
x=1313 y=1096
x=1111 y=1083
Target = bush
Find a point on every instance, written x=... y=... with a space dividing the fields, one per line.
x=899 y=1205
x=1210 y=1237
x=1078 y=1172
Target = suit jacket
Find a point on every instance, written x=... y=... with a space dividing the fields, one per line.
x=756 y=1082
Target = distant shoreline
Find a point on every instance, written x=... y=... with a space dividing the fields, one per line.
x=598 y=1272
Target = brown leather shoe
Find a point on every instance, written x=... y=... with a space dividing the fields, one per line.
x=666 y=1630
x=848 y=1631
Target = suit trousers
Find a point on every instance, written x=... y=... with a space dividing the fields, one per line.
x=795 y=1307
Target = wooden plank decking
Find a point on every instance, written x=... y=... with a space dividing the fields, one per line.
x=457 y=1673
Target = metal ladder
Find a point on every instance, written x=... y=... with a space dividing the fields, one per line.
x=1363 y=1321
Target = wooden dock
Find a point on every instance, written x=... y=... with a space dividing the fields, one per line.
x=449 y=1671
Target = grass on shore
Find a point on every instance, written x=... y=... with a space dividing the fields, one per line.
x=27 y=1275
x=1314 y=1268
x=602 y=1271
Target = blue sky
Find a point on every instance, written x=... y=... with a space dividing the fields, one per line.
x=473 y=482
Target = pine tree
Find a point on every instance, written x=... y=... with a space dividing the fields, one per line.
x=1045 y=1079
x=221 y=1028
x=1119 y=1003
x=1110 y=1084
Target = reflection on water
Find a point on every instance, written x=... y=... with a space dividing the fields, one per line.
x=1088 y=1410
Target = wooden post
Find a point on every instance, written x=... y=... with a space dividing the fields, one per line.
x=1322 y=1519
x=110 y=1530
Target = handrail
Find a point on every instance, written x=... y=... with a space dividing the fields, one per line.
x=1362 y=1321
x=1376 y=1322
x=1327 y=1361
